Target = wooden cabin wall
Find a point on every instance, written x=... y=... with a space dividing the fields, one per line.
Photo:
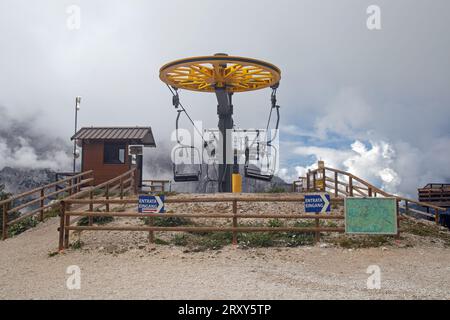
x=92 y=159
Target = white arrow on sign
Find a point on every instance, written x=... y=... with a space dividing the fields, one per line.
x=160 y=204
x=326 y=203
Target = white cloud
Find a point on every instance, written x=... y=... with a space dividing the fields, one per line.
x=347 y=114
x=395 y=167
x=292 y=175
x=24 y=156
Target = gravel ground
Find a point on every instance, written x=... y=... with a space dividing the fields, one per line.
x=122 y=266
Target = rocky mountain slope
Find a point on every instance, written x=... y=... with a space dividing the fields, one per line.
x=18 y=180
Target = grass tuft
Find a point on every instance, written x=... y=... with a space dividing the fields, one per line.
x=84 y=221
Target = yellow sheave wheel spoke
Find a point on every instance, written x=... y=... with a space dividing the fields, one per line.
x=236 y=74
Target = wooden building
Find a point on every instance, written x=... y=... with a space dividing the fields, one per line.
x=105 y=150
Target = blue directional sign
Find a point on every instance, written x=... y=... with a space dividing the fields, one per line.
x=151 y=204
x=317 y=203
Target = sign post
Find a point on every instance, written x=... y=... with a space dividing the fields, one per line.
x=317 y=203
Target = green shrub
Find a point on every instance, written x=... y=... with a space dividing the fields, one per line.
x=161 y=242
x=22 y=226
x=275 y=223
x=275 y=189
x=296 y=239
x=257 y=240
x=3 y=196
x=53 y=254
x=77 y=244
x=52 y=212
x=167 y=222
x=84 y=221
x=357 y=242
x=180 y=240
x=212 y=240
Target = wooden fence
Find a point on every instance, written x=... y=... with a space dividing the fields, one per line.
x=157 y=185
x=299 y=186
x=68 y=211
x=116 y=187
x=41 y=199
x=343 y=184
x=437 y=194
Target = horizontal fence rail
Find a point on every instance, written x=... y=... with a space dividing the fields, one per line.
x=235 y=216
x=157 y=185
x=41 y=200
x=119 y=186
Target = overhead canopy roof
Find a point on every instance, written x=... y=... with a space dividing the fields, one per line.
x=135 y=135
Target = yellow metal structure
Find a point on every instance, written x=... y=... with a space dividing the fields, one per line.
x=208 y=73
x=319 y=185
x=236 y=183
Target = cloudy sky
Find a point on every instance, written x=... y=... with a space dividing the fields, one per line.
x=374 y=102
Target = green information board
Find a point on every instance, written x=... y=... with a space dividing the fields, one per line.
x=371 y=216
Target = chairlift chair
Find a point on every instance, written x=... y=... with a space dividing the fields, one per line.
x=191 y=176
x=186 y=177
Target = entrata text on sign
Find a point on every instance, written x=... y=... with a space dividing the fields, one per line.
x=317 y=203
x=151 y=204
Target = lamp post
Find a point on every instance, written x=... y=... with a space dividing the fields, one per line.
x=75 y=154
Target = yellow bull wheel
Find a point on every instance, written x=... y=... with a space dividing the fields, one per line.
x=209 y=73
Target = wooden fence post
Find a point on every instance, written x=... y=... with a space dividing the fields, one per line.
x=42 y=203
x=91 y=207
x=135 y=182
x=398 y=219
x=369 y=192
x=5 y=221
x=350 y=186
x=317 y=233
x=314 y=181
x=151 y=234
x=235 y=224
x=406 y=207
x=62 y=218
x=107 y=197
x=307 y=182
x=79 y=184
x=66 y=224
x=121 y=188
x=336 y=185
x=324 y=179
x=436 y=215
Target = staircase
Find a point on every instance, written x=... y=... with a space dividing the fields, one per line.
x=341 y=184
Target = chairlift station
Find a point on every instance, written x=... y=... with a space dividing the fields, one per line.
x=224 y=76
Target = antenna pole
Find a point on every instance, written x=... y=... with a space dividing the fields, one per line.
x=77 y=107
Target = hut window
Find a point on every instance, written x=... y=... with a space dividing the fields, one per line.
x=114 y=153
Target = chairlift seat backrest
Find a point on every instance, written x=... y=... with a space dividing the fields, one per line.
x=186 y=178
x=257 y=175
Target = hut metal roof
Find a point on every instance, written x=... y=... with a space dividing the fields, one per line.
x=138 y=135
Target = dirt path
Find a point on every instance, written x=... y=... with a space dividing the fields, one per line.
x=168 y=272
